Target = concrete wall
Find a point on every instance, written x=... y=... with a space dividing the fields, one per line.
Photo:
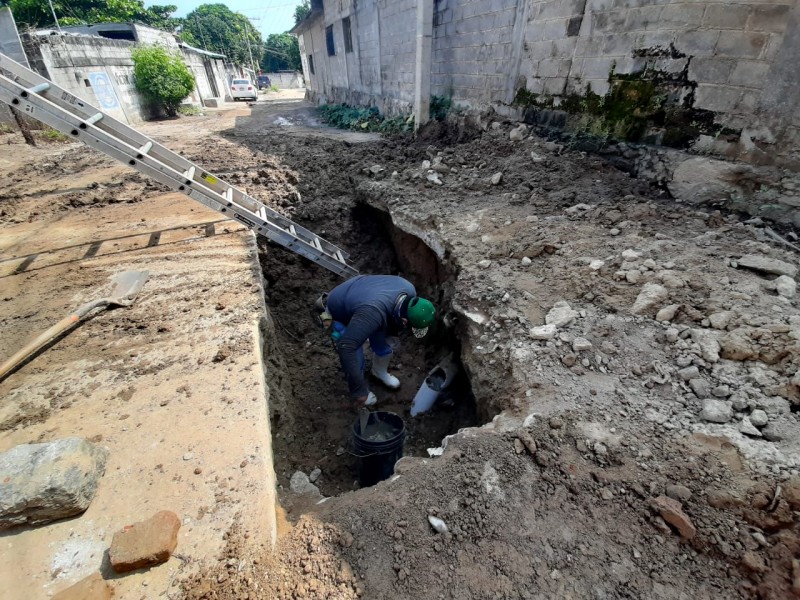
x=97 y=69
x=101 y=71
x=287 y=80
x=729 y=66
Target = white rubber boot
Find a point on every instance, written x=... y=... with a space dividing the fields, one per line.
x=380 y=366
x=371 y=400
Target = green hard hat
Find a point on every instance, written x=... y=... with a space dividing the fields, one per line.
x=421 y=314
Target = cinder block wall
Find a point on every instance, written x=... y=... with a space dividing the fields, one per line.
x=732 y=62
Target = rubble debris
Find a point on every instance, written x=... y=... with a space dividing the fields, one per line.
x=93 y=587
x=764 y=264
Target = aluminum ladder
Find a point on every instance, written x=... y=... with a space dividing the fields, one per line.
x=43 y=100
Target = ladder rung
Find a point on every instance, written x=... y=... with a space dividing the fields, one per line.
x=40 y=87
x=146 y=148
x=316 y=243
x=94 y=118
x=262 y=212
x=229 y=194
x=339 y=256
x=292 y=230
x=189 y=174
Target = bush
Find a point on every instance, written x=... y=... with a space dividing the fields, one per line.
x=162 y=77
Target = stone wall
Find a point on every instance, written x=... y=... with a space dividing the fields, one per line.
x=713 y=76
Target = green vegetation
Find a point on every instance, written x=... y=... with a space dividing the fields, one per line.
x=54 y=135
x=189 y=110
x=274 y=88
x=301 y=11
x=362 y=119
x=6 y=128
x=162 y=77
x=370 y=119
x=37 y=13
x=217 y=28
x=650 y=103
x=281 y=53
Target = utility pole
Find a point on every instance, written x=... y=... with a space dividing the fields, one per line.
x=58 y=25
x=249 y=50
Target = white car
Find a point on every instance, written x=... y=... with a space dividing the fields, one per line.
x=243 y=88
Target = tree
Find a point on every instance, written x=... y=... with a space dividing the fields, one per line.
x=215 y=27
x=37 y=13
x=281 y=52
x=162 y=77
x=301 y=11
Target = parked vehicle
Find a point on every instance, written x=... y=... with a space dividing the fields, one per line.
x=263 y=82
x=243 y=88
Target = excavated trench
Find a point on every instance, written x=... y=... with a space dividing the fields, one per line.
x=309 y=405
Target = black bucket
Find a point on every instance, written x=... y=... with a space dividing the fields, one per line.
x=377 y=456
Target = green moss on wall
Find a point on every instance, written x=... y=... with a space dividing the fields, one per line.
x=650 y=105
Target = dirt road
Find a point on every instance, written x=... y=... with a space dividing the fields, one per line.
x=629 y=406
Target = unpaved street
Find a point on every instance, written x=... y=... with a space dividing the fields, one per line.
x=625 y=425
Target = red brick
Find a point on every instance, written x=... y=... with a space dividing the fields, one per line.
x=92 y=587
x=672 y=512
x=146 y=543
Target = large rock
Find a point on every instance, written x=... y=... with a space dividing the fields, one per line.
x=652 y=295
x=716 y=411
x=708 y=341
x=300 y=483
x=92 y=587
x=700 y=180
x=765 y=264
x=145 y=543
x=560 y=315
x=786 y=286
x=45 y=482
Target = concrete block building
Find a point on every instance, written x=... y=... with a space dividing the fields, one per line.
x=727 y=66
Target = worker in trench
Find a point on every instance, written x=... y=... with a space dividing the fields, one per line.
x=374 y=308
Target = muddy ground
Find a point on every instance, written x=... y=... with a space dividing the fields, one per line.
x=561 y=492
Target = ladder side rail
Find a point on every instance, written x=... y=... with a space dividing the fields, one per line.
x=59 y=119
x=34 y=100
x=26 y=79
x=301 y=231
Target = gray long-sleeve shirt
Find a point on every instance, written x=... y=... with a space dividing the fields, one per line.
x=366 y=306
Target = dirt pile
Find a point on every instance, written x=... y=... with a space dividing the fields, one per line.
x=664 y=375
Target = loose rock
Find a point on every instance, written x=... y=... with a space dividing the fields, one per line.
x=716 y=411
x=92 y=587
x=560 y=315
x=759 y=418
x=45 y=482
x=765 y=264
x=649 y=297
x=672 y=512
x=786 y=286
x=146 y=543
x=543 y=332
x=438 y=525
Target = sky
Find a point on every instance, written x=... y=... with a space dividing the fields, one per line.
x=268 y=16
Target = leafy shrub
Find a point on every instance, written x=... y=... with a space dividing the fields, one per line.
x=370 y=119
x=274 y=88
x=162 y=77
